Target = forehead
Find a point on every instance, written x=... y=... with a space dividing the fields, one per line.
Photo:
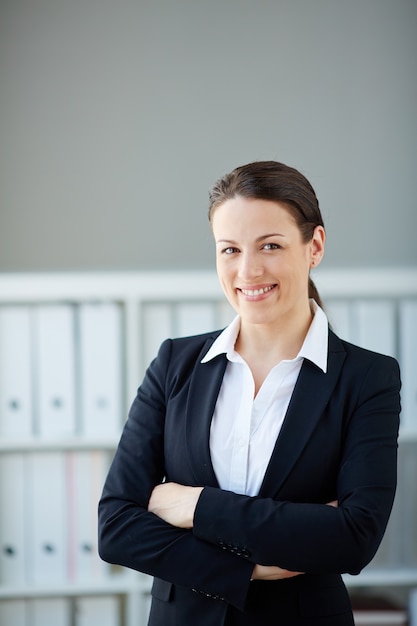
x=239 y=211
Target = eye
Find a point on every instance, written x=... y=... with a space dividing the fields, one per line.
x=229 y=250
x=271 y=246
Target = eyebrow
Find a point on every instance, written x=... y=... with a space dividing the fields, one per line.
x=261 y=238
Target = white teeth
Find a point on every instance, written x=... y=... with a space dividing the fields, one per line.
x=256 y=292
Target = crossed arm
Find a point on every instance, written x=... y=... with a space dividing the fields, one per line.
x=147 y=528
x=176 y=505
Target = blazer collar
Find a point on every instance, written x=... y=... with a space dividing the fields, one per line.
x=205 y=385
x=311 y=394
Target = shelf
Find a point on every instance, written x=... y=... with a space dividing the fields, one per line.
x=395 y=577
x=152 y=306
x=82 y=443
x=407 y=436
x=119 y=585
x=160 y=285
x=45 y=445
x=137 y=583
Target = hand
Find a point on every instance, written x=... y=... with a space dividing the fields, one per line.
x=270 y=572
x=175 y=503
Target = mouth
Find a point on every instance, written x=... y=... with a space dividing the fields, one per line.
x=259 y=291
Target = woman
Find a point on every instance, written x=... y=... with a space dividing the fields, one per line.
x=276 y=440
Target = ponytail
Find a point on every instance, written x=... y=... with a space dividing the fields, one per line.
x=313 y=293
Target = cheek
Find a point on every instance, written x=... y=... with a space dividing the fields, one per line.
x=299 y=264
x=220 y=269
x=226 y=282
x=293 y=275
x=222 y=275
x=223 y=268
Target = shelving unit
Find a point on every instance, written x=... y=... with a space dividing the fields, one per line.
x=372 y=308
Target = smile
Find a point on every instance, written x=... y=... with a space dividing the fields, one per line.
x=256 y=292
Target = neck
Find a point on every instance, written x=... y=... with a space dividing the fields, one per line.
x=276 y=341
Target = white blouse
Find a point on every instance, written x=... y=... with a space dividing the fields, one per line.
x=244 y=429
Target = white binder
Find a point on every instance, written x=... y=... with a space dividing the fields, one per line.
x=340 y=318
x=389 y=554
x=49 y=612
x=225 y=314
x=15 y=372
x=100 y=463
x=408 y=362
x=413 y=607
x=407 y=477
x=100 y=611
x=13 y=513
x=194 y=318
x=100 y=331
x=13 y=613
x=157 y=321
x=86 y=474
x=55 y=370
x=47 y=518
x=374 y=326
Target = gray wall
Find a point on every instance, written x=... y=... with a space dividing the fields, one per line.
x=116 y=116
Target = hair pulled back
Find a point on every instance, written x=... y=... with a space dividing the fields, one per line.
x=271 y=180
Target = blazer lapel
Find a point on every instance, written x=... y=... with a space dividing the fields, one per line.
x=310 y=396
x=205 y=385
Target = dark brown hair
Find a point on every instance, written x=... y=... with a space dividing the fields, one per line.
x=270 y=180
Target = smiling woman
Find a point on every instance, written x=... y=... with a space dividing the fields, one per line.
x=263 y=266
x=258 y=462
x=278 y=183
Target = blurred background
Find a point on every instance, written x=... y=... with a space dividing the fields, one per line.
x=117 y=116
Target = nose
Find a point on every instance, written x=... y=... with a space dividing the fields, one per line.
x=250 y=267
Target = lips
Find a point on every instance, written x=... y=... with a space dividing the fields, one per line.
x=257 y=292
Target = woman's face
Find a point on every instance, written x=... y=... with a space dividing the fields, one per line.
x=262 y=263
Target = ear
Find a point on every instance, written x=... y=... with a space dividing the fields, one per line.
x=317 y=244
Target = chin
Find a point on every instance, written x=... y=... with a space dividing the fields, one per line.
x=256 y=318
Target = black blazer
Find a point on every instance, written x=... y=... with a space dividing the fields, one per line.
x=338 y=441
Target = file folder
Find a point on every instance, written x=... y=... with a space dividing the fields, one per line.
x=374 y=326
x=103 y=611
x=408 y=362
x=50 y=612
x=157 y=326
x=55 y=370
x=100 y=463
x=339 y=315
x=47 y=518
x=194 y=318
x=15 y=372
x=86 y=472
x=407 y=501
x=100 y=333
x=413 y=607
x=13 y=513
x=13 y=613
x=225 y=313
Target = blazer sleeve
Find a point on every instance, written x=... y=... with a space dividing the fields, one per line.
x=131 y=536
x=317 y=538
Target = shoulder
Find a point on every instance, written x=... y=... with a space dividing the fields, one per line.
x=174 y=363
x=187 y=349
x=362 y=361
